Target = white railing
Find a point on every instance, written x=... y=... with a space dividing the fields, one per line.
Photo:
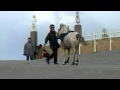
x=98 y=36
x=88 y=37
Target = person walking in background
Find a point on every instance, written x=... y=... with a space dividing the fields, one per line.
x=29 y=49
x=54 y=45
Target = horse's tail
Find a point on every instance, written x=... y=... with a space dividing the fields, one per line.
x=81 y=39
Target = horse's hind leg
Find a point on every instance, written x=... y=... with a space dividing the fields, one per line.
x=74 y=56
x=67 y=61
x=75 y=62
x=64 y=60
x=76 y=59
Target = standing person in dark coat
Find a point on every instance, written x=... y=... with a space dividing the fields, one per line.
x=54 y=45
x=29 y=49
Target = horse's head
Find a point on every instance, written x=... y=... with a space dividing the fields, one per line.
x=63 y=29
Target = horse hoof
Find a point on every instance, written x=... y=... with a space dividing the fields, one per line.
x=64 y=63
x=76 y=64
x=67 y=61
x=77 y=60
x=72 y=63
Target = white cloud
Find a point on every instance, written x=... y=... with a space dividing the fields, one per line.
x=66 y=18
x=44 y=16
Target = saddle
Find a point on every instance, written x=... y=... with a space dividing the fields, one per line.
x=64 y=34
x=71 y=31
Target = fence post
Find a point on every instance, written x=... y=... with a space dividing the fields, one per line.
x=80 y=48
x=110 y=40
x=95 y=42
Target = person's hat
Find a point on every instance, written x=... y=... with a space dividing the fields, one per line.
x=40 y=45
x=52 y=26
x=29 y=38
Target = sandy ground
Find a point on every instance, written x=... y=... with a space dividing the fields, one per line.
x=103 y=65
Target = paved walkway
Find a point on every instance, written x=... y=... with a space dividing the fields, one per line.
x=104 y=65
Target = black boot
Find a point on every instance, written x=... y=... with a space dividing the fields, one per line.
x=56 y=63
x=47 y=60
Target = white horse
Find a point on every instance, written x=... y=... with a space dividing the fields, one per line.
x=70 y=40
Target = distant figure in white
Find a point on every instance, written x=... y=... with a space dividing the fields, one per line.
x=77 y=17
x=34 y=23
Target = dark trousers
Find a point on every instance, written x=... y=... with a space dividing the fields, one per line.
x=31 y=58
x=54 y=55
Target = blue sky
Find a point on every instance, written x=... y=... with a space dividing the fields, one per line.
x=15 y=27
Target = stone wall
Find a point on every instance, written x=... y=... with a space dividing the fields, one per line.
x=87 y=49
x=102 y=45
x=115 y=43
